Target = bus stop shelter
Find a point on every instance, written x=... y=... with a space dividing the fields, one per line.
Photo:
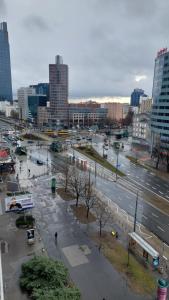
x=138 y=245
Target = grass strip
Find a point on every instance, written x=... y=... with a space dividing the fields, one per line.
x=138 y=277
x=94 y=155
x=135 y=161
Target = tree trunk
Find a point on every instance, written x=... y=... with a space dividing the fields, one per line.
x=100 y=224
x=77 y=200
x=157 y=162
x=87 y=215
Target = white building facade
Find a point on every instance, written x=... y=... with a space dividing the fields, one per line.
x=141 y=129
x=23 y=94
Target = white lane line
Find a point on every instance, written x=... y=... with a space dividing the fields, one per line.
x=161 y=193
x=154 y=188
x=147 y=183
x=144 y=217
x=167 y=197
x=154 y=215
x=160 y=228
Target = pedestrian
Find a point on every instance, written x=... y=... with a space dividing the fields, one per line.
x=117 y=235
x=56 y=235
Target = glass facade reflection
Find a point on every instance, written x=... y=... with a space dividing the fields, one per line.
x=5 y=65
x=160 y=108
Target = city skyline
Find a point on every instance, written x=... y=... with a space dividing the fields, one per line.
x=105 y=59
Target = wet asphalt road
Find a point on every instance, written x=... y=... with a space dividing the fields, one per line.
x=138 y=175
x=153 y=219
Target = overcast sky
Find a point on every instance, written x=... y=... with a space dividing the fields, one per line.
x=109 y=45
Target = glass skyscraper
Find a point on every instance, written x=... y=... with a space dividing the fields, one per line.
x=135 y=97
x=160 y=108
x=5 y=65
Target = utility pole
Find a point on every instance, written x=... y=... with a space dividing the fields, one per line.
x=117 y=162
x=95 y=172
x=135 y=215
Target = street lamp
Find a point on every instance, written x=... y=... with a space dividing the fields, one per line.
x=135 y=215
x=117 y=161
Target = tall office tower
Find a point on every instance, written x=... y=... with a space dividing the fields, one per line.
x=5 y=65
x=160 y=108
x=135 y=97
x=58 y=93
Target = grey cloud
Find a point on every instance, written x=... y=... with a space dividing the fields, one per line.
x=2 y=8
x=105 y=43
x=35 y=22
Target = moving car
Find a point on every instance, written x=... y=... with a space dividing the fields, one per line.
x=39 y=162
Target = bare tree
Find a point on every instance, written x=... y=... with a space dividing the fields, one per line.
x=77 y=183
x=89 y=195
x=103 y=214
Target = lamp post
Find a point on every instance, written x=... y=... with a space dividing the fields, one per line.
x=117 y=161
x=135 y=215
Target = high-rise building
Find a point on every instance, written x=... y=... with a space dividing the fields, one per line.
x=135 y=97
x=115 y=110
x=34 y=102
x=5 y=65
x=160 y=94
x=41 y=89
x=145 y=104
x=23 y=94
x=58 y=92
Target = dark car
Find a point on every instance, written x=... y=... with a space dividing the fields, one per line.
x=39 y=162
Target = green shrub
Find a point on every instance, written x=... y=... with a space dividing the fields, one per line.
x=45 y=279
x=27 y=221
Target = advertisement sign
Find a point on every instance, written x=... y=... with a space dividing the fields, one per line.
x=18 y=203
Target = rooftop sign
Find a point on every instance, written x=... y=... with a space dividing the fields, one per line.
x=161 y=51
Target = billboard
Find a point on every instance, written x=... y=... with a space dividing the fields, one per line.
x=19 y=203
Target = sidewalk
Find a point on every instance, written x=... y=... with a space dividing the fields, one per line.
x=15 y=251
x=88 y=268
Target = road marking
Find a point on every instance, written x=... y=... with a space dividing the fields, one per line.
x=167 y=197
x=154 y=188
x=154 y=215
x=144 y=217
x=161 y=193
x=147 y=183
x=160 y=228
